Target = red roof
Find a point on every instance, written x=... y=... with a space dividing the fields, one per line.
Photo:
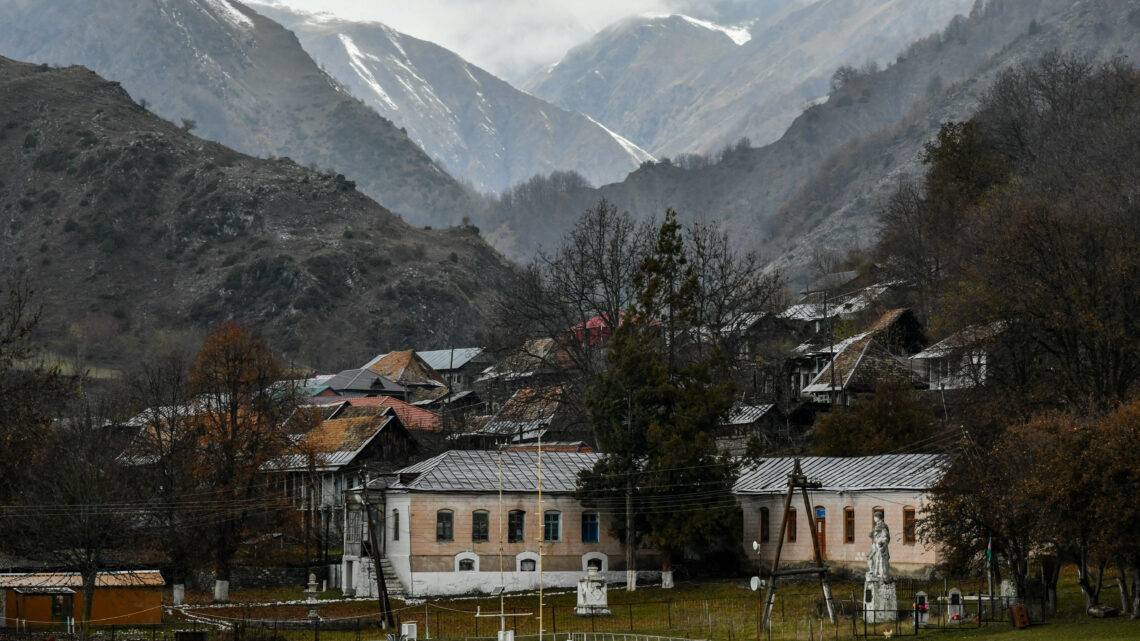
x=413 y=418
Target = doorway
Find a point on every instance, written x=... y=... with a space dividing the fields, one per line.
x=821 y=530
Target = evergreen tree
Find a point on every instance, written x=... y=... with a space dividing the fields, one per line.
x=654 y=410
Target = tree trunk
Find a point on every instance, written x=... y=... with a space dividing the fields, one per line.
x=1136 y=592
x=1050 y=573
x=1122 y=582
x=666 y=571
x=89 y=577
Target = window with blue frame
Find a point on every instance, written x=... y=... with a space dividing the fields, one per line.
x=591 y=532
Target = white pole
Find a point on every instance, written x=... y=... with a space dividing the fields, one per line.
x=541 y=536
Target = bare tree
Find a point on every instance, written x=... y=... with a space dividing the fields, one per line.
x=241 y=415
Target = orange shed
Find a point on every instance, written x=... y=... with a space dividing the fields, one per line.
x=47 y=598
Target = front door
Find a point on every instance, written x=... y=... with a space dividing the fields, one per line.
x=821 y=530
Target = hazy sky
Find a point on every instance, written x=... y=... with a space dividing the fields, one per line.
x=506 y=37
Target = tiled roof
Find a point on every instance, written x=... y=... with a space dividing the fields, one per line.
x=335 y=442
x=413 y=418
x=131 y=578
x=883 y=472
x=445 y=359
x=479 y=471
x=406 y=368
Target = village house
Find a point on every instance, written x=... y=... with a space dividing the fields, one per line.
x=471 y=522
x=334 y=448
x=852 y=490
x=535 y=363
x=856 y=364
x=958 y=361
x=407 y=369
x=459 y=367
x=351 y=383
x=763 y=423
x=530 y=414
x=40 y=599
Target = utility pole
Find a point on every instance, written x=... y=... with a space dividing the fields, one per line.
x=387 y=619
x=796 y=480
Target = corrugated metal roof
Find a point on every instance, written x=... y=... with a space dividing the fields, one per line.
x=745 y=414
x=478 y=471
x=528 y=412
x=970 y=336
x=364 y=380
x=843 y=473
x=129 y=578
x=334 y=442
x=442 y=360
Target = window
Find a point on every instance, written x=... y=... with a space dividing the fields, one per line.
x=444 y=525
x=516 y=526
x=395 y=525
x=909 y=534
x=792 y=525
x=466 y=565
x=590 y=529
x=552 y=526
x=848 y=525
x=765 y=533
x=527 y=565
x=595 y=564
x=480 y=525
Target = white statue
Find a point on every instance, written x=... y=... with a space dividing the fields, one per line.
x=879 y=558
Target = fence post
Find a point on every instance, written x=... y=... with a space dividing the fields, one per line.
x=553 y=621
x=631 y=617
x=669 y=612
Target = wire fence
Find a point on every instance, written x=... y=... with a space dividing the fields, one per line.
x=794 y=616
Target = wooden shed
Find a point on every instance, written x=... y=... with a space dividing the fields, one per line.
x=40 y=599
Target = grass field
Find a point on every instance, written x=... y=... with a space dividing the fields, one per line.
x=719 y=611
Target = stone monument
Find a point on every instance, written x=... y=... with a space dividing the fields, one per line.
x=880 y=601
x=592 y=598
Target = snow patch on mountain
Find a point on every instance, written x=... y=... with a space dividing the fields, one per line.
x=739 y=34
x=637 y=153
x=359 y=61
x=223 y=9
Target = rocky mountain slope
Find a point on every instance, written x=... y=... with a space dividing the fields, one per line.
x=480 y=128
x=132 y=231
x=822 y=183
x=244 y=81
x=676 y=84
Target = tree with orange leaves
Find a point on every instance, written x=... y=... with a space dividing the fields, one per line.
x=236 y=382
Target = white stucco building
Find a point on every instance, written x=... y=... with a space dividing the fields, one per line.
x=852 y=490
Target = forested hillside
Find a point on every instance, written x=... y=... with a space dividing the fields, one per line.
x=133 y=232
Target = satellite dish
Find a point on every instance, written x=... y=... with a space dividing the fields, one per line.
x=756 y=583
x=755 y=546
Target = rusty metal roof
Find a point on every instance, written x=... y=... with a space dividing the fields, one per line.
x=124 y=579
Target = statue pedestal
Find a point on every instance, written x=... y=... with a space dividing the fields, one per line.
x=880 y=601
x=592 y=598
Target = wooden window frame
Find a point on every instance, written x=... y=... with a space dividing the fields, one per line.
x=848 y=525
x=444 y=527
x=792 y=525
x=765 y=525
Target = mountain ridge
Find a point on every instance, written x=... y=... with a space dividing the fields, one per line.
x=243 y=80
x=138 y=233
x=478 y=126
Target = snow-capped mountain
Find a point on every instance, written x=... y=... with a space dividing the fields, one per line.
x=243 y=80
x=676 y=83
x=479 y=127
